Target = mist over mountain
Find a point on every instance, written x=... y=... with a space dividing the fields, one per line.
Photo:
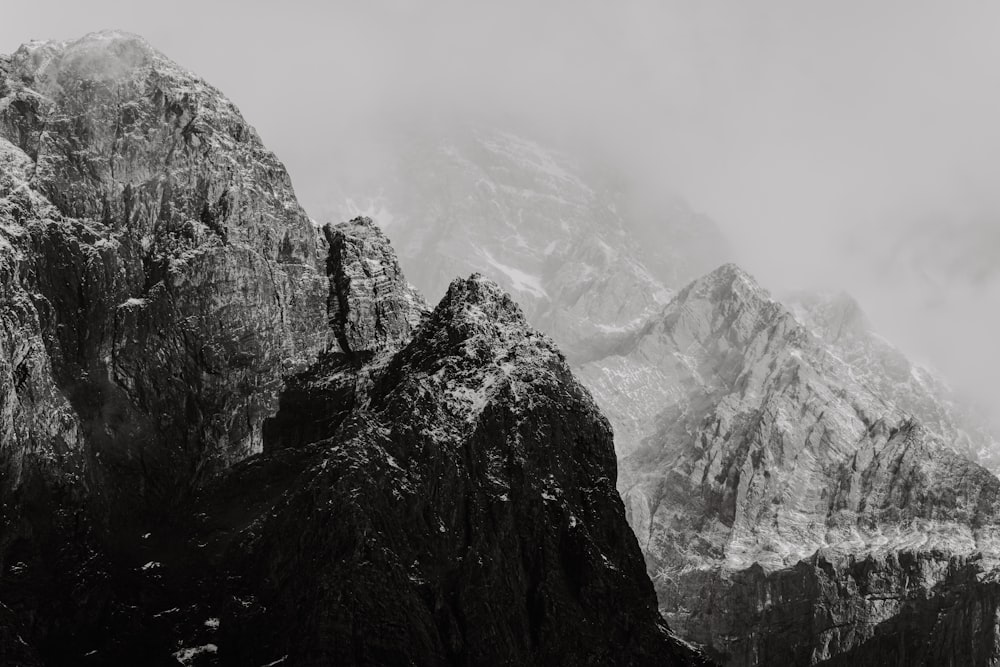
x=584 y=257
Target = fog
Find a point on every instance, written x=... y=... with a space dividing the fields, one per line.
x=850 y=144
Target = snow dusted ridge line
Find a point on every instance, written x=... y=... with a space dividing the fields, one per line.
x=775 y=467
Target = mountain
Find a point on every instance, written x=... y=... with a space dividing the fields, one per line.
x=230 y=437
x=788 y=510
x=586 y=258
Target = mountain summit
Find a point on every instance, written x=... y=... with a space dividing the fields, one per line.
x=791 y=512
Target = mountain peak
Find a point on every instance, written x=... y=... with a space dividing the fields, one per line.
x=726 y=302
x=99 y=56
x=731 y=278
x=482 y=292
x=479 y=326
x=110 y=35
x=361 y=223
x=183 y=157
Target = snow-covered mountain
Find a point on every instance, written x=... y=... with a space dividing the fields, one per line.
x=773 y=466
x=578 y=254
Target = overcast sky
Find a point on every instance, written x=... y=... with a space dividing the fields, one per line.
x=817 y=134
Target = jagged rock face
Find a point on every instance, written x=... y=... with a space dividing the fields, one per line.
x=586 y=262
x=897 y=609
x=563 y=241
x=169 y=271
x=957 y=626
x=475 y=489
x=120 y=135
x=768 y=449
x=840 y=323
x=370 y=305
x=158 y=283
x=228 y=439
x=372 y=311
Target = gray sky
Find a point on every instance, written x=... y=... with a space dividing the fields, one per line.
x=819 y=135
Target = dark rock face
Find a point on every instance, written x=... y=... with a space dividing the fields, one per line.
x=172 y=273
x=904 y=608
x=956 y=624
x=475 y=490
x=372 y=311
x=226 y=438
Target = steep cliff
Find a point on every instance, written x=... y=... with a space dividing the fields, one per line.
x=228 y=437
x=167 y=275
x=902 y=608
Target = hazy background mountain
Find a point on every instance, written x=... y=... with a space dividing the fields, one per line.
x=587 y=258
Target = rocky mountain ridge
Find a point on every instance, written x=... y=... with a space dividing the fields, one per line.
x=774 y=453
x=228 y=438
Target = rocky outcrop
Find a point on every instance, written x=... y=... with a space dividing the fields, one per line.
x=371 y=305
x=228 y=439
x=372 y=312
x=769 y=450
